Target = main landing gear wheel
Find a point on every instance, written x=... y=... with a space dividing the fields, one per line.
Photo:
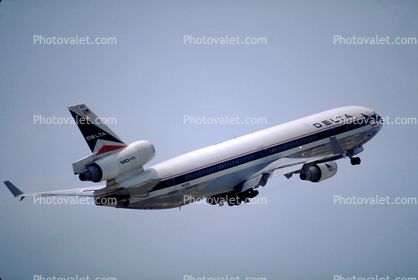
x=355 y=160
x=234 y=200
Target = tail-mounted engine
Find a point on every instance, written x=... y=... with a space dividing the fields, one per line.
x=109 y=167
x=319 y=172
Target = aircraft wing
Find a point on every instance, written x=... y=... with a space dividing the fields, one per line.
x=282 y=166
x=288 y=166
x=71 y=192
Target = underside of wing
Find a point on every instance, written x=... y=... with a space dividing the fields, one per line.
x=314 y=169
x=287 y=167
x=120 y=197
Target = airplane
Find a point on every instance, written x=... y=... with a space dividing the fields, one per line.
x=225 y=173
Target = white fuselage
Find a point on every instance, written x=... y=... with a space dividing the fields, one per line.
x=219 y=168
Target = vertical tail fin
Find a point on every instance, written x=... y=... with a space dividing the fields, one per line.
x=100 y=138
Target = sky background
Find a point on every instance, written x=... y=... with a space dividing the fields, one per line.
x=150 y=80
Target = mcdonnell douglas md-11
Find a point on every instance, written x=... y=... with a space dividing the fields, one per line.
x=229 y=172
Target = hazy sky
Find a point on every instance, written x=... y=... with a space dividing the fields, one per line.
x=149 y=80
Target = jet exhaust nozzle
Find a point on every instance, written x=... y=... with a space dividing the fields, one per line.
x=93 y=173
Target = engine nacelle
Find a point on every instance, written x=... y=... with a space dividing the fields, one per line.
x=319 y=172
x=133 y=156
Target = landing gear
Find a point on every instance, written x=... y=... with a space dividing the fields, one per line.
x=234 y=200
x=355 y=161
x=242 y=197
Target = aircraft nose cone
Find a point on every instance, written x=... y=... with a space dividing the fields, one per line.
x=379 y=121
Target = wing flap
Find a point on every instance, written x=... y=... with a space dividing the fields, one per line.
x=286 y=170
x=251 y=183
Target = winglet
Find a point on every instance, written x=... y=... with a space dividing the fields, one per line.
x=14 y=190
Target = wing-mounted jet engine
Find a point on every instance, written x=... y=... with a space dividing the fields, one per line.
x=318 y=172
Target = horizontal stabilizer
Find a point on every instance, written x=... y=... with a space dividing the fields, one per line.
x=13 y=189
